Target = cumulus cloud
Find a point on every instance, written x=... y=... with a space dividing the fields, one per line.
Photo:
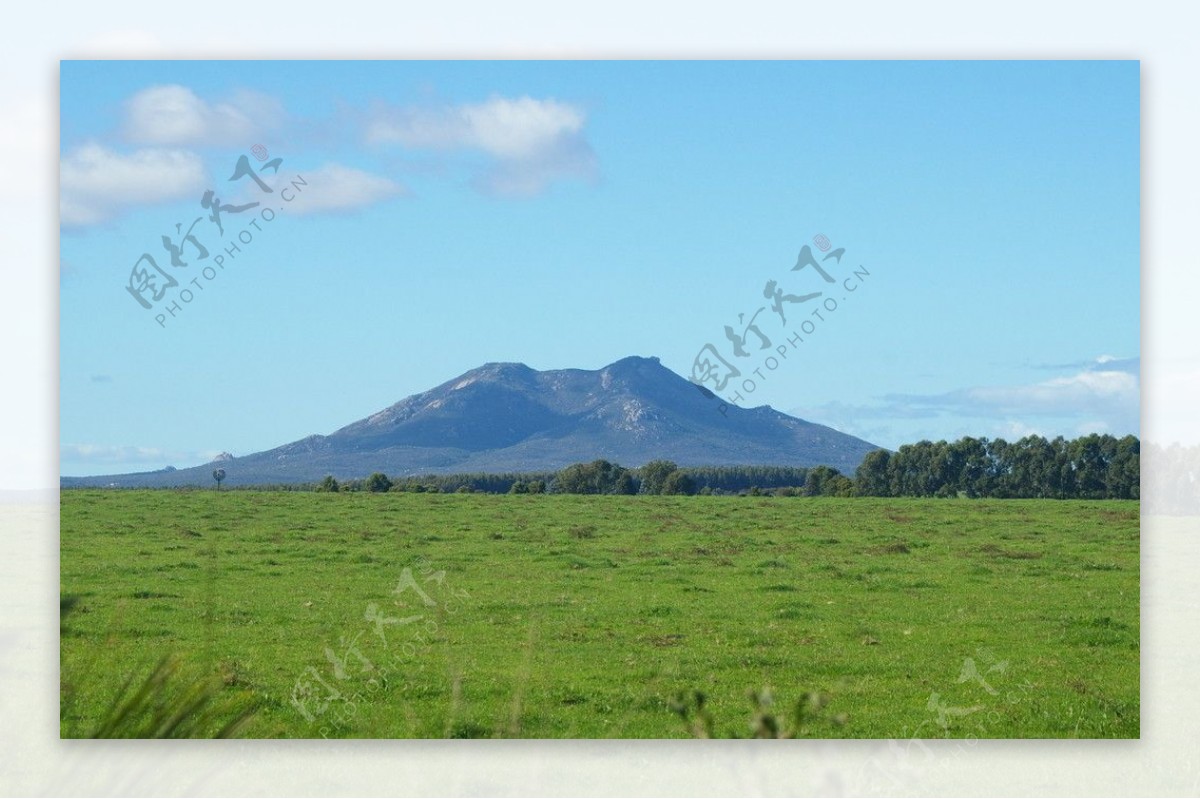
x=337 y=188
x=505 y=128
x=175 y=115
x=529 y=143
x=96 y=183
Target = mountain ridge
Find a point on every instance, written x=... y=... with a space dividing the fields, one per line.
x=508 y=417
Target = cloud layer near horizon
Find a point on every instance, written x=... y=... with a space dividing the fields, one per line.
x=1102 y=397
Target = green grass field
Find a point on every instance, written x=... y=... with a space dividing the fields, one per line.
x=419 y=615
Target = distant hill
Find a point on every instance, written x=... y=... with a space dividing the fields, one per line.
x=506 y=417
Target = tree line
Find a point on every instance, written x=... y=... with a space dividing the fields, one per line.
x=595 y=477
x=1033 y=467
x=1090 y=467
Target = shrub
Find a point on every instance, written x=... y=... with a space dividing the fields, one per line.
x=678 y=483
x=654 y=476
x=378 y=483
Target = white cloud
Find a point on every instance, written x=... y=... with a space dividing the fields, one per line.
x=504 y=128
x=334 y=187
x=531 y=143
x=1104 y=397
x=96 y=184
x=175 y=115
x=1091 y=390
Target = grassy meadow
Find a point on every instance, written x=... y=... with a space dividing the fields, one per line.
x=550 y=616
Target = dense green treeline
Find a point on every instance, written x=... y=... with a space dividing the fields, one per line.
x=1089 y=467
x=596 y=477
x=501 y=483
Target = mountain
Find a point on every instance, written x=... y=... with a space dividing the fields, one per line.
x=506 y=417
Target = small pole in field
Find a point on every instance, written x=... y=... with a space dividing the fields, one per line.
x=219 y=475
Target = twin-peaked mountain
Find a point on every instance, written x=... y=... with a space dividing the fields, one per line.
x=507 y=417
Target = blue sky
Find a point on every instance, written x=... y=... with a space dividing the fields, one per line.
x=568 y=214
